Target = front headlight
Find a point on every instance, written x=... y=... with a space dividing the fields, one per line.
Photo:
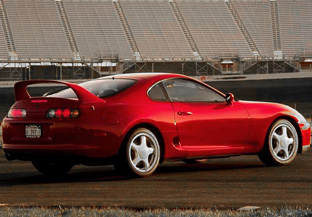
x=300 y=118
x=306 y=126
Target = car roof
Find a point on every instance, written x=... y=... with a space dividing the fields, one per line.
x=146 y=76
x=153 y=77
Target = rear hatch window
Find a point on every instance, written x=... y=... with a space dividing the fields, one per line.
x=102 y=88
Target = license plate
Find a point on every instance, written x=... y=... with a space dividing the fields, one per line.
x=33 y=131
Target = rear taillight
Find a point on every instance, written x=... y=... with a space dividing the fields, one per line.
x=63 y=113
x=17 y=113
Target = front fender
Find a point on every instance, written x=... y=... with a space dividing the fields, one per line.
x=262 y=116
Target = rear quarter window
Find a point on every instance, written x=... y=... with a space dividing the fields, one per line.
x=156 y=93
x=102 y=88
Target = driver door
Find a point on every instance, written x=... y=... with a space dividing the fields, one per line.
x=204 y=119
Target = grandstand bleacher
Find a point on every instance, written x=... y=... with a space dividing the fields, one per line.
x=37 y=30
x=213 y=29
x=139 y=34
x=97 y=29
x=156 y=30
x=296 y=27
x=256 y=17
x=3 y=51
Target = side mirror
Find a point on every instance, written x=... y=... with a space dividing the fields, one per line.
x=229 y=97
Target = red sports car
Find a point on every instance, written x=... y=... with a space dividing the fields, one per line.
x=136 y=121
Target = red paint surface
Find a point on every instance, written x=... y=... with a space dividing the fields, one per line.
x=212 y=129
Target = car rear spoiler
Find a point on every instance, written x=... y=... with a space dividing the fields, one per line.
x=85 y=96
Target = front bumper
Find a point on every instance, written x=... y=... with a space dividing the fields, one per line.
x=306 y=137
x=305 y=148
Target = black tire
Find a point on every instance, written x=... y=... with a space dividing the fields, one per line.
x=53 y=168
x=282 y=144
x=140 y=155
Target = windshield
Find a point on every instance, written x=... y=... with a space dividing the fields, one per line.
x=101 y=88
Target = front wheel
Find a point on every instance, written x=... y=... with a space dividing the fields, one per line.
x=53 y=168
x=282 y=144
x=141 y=154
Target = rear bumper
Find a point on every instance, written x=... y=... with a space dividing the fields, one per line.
x=30 y=151
x=59 y=138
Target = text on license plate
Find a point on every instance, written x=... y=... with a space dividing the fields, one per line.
x=33 y=131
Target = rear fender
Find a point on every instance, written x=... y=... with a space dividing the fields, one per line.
x=84 y=96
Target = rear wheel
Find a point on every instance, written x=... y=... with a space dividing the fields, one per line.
x=141 y=154
x=53 y=168
x=282 y=144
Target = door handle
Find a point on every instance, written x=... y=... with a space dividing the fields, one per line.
x=184 y=113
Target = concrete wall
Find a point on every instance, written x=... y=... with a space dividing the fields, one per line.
x=295 y=92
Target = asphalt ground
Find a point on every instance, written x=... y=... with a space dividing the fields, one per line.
x=227 y=183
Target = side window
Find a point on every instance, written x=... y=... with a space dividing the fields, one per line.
x=190 y=91
x=156 y=93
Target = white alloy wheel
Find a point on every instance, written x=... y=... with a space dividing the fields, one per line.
x=143 y=152
x=283 y=142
